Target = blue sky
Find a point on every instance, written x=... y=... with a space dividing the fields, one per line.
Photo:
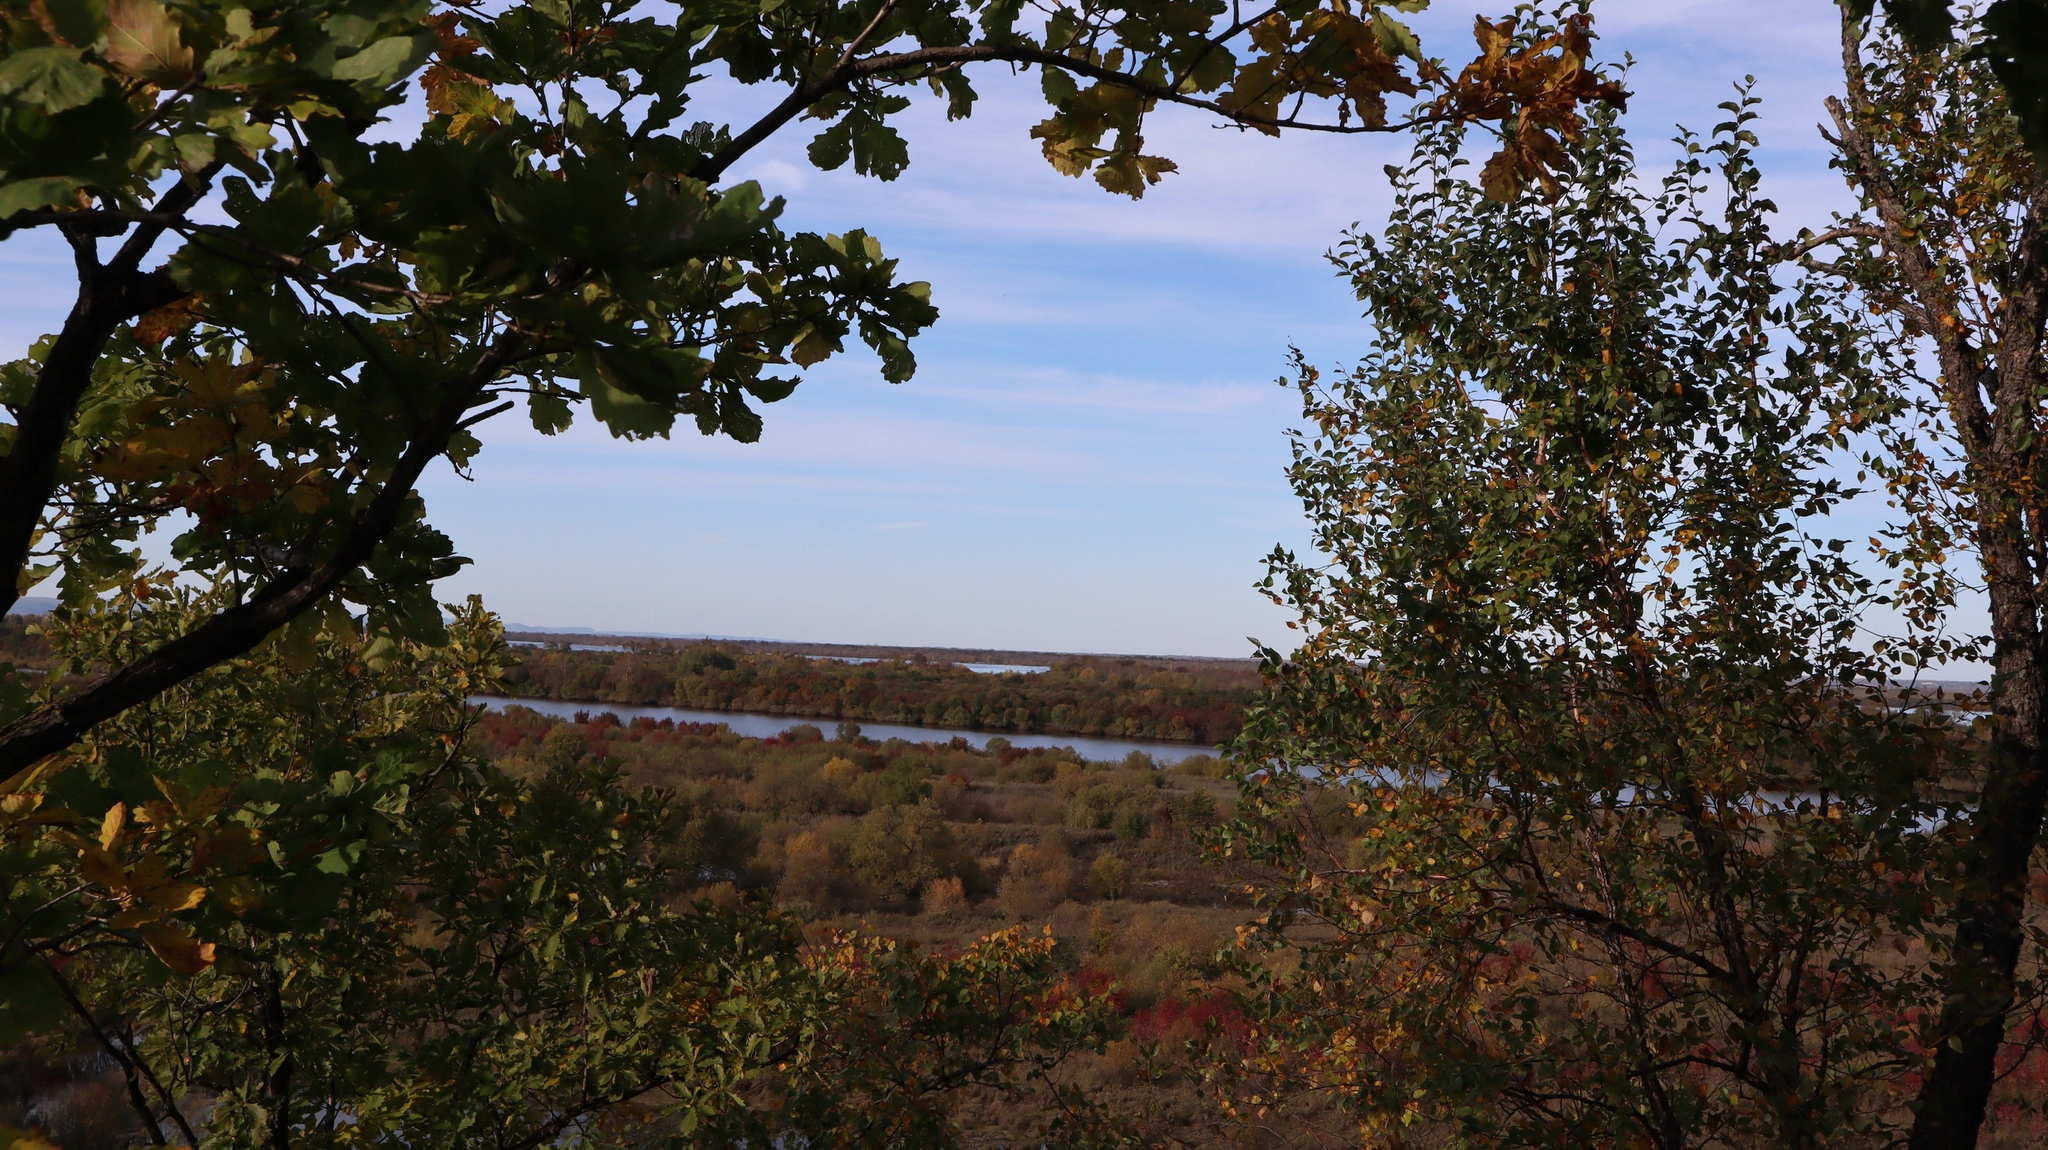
x=1090 y=456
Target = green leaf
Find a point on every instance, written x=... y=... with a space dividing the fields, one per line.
x=43 y=192
x=549 y=410
x=29 y=1002
x=771 y=389
x=1395 y=37
x=879 y=150
x=51 y=80
x=627 y=414
x=385 y=62
x=832 y=147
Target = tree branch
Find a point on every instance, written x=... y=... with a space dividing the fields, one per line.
x=1958 y=360
x=1798 y=250
x=811 y=91
x=1636 y=934
x=55 y=726
x=108 y=296
x=123 y=1056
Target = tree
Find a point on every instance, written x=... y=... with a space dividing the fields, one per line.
x=1949 y=255
x=294 y=909
x=550 y=232
x=1598 y=818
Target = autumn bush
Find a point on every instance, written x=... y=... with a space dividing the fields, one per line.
x=1109 y=876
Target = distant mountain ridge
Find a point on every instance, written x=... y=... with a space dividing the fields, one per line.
x=33 y=605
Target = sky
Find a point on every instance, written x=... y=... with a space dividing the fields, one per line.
x=1090 y=456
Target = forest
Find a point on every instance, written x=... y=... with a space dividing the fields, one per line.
x=1607 y=789
x=1150 y=699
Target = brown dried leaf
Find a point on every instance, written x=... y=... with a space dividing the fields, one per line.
x=153 y=328
x=143 y=40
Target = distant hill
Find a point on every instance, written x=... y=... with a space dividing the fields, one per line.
x=33 y=605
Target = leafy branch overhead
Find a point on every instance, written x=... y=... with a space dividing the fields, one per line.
x=2009 y=35
x=356 y=281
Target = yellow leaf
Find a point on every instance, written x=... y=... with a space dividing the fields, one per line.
x=110 y=827
x=177 y=948
x=240 y=895
x=153 y=328
x=171 y=897
x=102 y=868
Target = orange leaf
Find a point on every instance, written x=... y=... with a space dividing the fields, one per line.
x=154 y=327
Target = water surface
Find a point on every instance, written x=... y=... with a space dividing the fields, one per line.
x=765 y=726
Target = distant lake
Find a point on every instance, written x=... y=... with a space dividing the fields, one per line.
x=977 y=668
x=572 y=646
x=768 y=726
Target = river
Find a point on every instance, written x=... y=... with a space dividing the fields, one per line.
x=764 y=726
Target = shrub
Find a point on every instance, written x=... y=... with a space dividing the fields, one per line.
x=1101 y=931
x=897 y=850
x=711 y=844
x=903 y=782
x=563 y=747
x=1132 y=821
x=1110 y=877
x=809 y=877
x=944 y=896
x=1037 y=878
x=1092 y=808
x=1171 y=968
x=1192 y=809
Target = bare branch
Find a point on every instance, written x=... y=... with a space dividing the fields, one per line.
x=1594 y=918
x=1798 y=250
